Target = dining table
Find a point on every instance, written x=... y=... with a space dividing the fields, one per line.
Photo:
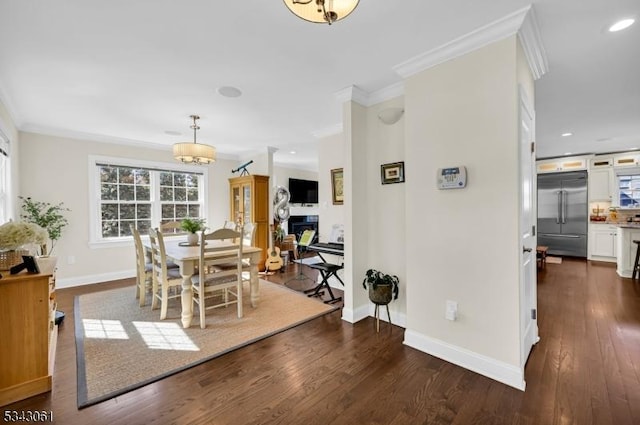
x=187 y=258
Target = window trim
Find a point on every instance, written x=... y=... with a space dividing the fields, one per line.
x=5 y=179
x=95 y=238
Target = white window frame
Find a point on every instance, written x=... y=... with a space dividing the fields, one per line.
x=95 y=220
x=5 y=180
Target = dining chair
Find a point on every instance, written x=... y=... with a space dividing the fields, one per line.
x=164 y=278
x=144 y=276
x=221 y=285
x=171 y=227
x=248 y=234
x=228 y=224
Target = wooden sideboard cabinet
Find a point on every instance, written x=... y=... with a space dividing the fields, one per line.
x=28 y=332
x=250 y=204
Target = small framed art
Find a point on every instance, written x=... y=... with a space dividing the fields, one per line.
x=337 y=186
x=392 y=173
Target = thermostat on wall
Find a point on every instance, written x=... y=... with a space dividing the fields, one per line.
x=452 y=178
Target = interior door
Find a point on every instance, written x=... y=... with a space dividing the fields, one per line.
x=528 y=293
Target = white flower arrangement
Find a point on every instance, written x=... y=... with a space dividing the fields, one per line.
x=14 y=235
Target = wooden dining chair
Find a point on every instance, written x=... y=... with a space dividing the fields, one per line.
x=249 y=234
x=219 y=277
x=165 y=279
x=171 y=227
x=144 y=275
x=228 y=224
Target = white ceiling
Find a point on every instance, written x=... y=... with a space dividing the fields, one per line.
x=129 y=71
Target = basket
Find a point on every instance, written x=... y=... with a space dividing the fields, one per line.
x=12 y=258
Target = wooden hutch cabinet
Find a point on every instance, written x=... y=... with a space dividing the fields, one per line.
x=28 y=332
x=250 y=204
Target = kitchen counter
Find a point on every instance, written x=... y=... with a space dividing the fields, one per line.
x=635 y=225
x=627 y=233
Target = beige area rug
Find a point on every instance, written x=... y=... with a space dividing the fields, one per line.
x=121 y=347
x=554 y=260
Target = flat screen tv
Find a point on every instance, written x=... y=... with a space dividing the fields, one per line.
x=303 y=191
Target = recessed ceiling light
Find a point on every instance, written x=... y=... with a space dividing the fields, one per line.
x=228 y=91
x=567 y=134
x=292 y=152
x=622 y=24
x=172 y=133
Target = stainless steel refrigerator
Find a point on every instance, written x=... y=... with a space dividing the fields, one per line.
x=563 y=213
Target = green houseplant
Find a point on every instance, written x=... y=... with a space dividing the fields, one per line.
x=383 y=288
x=48 y=216
x=192 y=225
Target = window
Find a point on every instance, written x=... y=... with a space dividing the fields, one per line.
x=4 y=179
x=142 y=194
x=629 y=187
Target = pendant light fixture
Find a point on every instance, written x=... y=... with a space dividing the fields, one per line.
x=194 y=153
x=321 y=11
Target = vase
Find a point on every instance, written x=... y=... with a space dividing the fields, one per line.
x=11 y=258
x=192 y=239
x=382 y=294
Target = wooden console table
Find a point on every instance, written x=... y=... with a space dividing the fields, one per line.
x=29 y=333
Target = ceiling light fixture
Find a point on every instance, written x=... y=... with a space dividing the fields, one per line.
x=194 y=153
x=321 y=11
x=622 y=24
x=567 y=134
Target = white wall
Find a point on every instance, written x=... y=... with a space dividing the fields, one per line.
x=463 y=245
x=55 y=169
x=7 y=126
x=386 y=204
x=330 y=156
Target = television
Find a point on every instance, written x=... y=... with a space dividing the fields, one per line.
x=303 y=191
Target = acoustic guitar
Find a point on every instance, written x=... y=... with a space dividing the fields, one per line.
x=274 y=260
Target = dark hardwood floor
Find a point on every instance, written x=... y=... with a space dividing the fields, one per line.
x=585 y=370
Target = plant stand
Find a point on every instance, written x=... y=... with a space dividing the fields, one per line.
x=377 y=315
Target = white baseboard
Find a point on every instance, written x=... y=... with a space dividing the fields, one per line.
x=396 y=318
x=486 y=366
x=95 y=278
x=353 y=316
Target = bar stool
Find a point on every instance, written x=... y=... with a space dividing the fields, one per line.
x=636 y=266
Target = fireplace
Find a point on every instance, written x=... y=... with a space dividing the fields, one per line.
x=299 y=223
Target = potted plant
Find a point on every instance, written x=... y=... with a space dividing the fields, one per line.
x=192 y=225
x=48 y=216
x=383 y=288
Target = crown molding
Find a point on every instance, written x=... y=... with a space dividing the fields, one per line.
x=531 y=41
x=353 y=93
x=356 y=94
x=78 y=135
x=483 y=36
x=386 y=93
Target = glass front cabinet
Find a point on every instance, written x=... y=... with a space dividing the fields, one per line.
x=250 y=204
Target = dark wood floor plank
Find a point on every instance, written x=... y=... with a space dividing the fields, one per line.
x=585 y=370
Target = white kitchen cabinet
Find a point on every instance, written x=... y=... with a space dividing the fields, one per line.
x=561 y=164
x=602 y=242
x=601 y=184
x=626 y=160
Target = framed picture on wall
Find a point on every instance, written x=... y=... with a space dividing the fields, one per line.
x=392 y=173
x=337 y=186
